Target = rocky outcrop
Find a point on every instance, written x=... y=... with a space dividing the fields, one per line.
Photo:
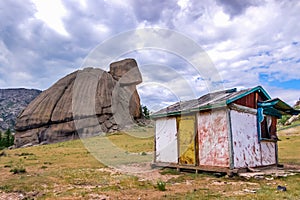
x=84 y=103
x=297 y=105
x=294 y=117
x=12 y=102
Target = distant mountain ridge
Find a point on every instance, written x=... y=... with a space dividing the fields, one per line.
x=12 y=102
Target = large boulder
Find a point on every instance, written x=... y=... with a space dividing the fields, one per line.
x=294 y=117
x=84 y=103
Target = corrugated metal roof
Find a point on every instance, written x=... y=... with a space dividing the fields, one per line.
x=208 y=101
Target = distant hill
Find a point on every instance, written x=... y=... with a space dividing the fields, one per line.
x=12 y=102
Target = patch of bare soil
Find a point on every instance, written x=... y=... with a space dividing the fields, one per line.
x=141 y=170
x=144 y=172
x=273 y=172
x=18 y=196
x=172 y=189
x=11 y=196
x=293 y=131
x=292 y=168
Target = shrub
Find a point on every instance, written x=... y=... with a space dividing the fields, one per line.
x=283 y=119
x=18 y=168
x=145 y=112
x=170 y=171
x=26 y=154
x=3 y=153
x=161 y=185
x=6 y=139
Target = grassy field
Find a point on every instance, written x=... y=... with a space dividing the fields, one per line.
x=289 y=146
x=74 y=170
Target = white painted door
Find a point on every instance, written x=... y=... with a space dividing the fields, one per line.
x=166 y=140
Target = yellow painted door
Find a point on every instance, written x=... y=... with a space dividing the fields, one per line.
x=186 y=140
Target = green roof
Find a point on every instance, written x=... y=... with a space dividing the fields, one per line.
x=277 y=107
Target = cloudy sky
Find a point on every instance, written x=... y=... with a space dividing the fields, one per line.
x=249 y=43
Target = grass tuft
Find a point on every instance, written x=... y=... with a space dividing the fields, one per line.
x=169 y=171
x=161 y=185
x=18 y=168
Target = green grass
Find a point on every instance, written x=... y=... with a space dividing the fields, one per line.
x=18 y=167
x=289 y=146
x=68 y=167
x=169 y=171
x=161 y=185
x=236 y=189
x=76 y=170
x=289 y=149
x=294 y=124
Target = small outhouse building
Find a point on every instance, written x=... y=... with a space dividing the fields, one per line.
x=221 y=131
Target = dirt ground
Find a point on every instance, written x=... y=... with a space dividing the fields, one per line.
x=144 y=173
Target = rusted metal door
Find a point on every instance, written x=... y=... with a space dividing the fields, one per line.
x=186 y=139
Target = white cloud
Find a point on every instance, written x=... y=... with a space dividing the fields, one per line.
x=52 y=12
x=288 y=95
x=246 y=40
x=4 y=54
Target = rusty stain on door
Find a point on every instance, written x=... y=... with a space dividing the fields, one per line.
x=186 y=140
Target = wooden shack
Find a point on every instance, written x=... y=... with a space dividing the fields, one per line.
x=222 y=131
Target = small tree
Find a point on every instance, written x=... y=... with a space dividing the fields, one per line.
x=7 y=140
x=1 y=141
x=145 y=112
x=283 y=119
x=7 y=137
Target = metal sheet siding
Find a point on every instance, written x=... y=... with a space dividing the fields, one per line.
x=186 y=131
x=268 y=153
x=246 y=149
x=166 y=140
x=213 y=138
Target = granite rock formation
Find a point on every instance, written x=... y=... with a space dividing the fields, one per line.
x=294 y=117
x=84 y=103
